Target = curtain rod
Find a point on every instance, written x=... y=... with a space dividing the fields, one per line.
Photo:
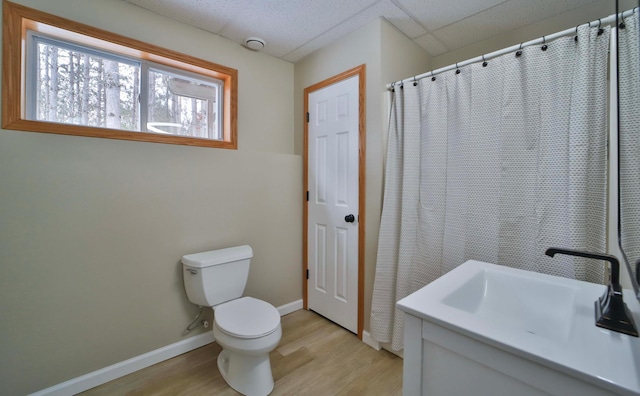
x=604 y=21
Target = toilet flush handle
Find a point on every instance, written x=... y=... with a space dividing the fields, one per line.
x=191 y=271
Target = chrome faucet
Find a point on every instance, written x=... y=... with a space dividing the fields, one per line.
x=611 y=311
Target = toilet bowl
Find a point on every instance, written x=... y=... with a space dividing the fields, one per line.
x=246 y=328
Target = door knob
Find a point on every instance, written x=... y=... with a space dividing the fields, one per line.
x=349 y=218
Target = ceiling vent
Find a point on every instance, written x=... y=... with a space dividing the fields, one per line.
x=254 y=43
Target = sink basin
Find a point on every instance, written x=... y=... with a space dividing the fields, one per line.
x=522 y=303
x=544 y=320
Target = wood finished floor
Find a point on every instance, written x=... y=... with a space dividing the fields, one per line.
x=314 y=357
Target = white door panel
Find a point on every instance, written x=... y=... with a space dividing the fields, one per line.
x=333 y=195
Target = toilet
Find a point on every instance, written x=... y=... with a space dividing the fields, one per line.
x=246 y=328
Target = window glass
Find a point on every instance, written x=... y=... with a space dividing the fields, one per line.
x=74 y=85
x=182 y=106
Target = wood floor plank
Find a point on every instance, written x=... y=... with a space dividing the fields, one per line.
x=314 y=357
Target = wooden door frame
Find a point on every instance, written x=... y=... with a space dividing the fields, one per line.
x=359 y=71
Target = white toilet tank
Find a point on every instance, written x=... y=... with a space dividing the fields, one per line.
x=217 y=276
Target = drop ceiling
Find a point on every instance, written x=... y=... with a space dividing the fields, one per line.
x=293 y=29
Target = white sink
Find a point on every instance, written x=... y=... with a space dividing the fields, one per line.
x=544 y=319
x=520 y=303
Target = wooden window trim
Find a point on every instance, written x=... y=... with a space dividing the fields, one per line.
x=17 y=19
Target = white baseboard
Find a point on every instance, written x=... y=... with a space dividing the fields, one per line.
x=289 y=308
x=109 y=373
x=366 y=338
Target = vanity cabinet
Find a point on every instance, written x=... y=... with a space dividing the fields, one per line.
x=486 y=330
x=441 y=362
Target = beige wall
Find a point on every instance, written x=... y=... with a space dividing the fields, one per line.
x=388 y=55
x=92 y=230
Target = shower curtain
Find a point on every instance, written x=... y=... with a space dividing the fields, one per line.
x=495 y=163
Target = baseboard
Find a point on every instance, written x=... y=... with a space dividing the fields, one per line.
x=289 y=308
x=109 y=373
x=366 y=338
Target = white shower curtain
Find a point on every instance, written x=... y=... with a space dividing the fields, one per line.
x=496 y=164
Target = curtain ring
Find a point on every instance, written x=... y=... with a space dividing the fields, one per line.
x=457 y=70
x=519 y=52
x=576 y=37
x=401 y=85
x=600 y=29
x=544 y=44
x=433 y=78
x=414 y=81
x=393 y=86
x=484 y=62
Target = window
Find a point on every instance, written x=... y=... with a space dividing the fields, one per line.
x=68 y=78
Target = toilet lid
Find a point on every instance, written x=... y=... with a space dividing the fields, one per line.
x=247 y=317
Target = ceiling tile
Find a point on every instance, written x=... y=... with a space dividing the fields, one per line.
x=505 y=17
x=199 y=13
x=285 y=25
x=398 y=18
x=384 y=8
x=438 y=13
x=431 y=44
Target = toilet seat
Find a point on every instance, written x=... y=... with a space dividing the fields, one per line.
x=247 y=317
